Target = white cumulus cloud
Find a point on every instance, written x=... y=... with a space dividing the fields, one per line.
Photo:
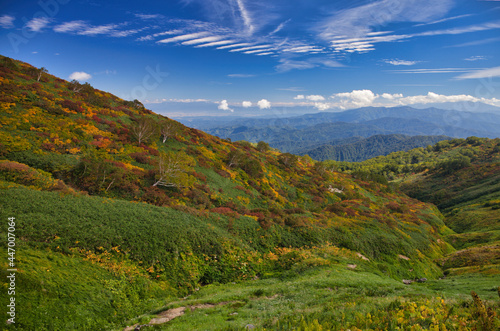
x=367 y=98
x=223 y=105
x=322 y=105
x=356 y=98
x=264 y=104
x=80 y=76
x=391 y=96
x=432 y=97
x=315 y=98
x=246 y=104
x=300 y=97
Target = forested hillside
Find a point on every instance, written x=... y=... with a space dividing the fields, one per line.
x=120 y=211
x=366 y=148
x=462 y=178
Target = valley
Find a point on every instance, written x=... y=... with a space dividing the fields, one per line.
x=123 y=214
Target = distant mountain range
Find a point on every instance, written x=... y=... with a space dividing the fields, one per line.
x=317 y=134
x=361 y=149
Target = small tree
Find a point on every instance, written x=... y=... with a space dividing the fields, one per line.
x=143 y=129
x=75 y=86
x=41 y=71
x=138 y=105
x=96 y=174
x=168 y=129
x=235 y=158
x=262 y=146
x=172 y=170
x=288 y=160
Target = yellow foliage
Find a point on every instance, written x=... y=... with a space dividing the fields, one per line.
x=244 y=200
x=132 y=167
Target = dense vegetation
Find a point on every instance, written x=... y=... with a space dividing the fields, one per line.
x=462 y=178
x=366 y=148
x=119 y=210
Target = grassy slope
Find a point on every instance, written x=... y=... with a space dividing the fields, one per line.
x=461 y=177
x=335 y=298
x=229 y=224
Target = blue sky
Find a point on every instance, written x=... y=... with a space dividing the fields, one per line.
x=212 y=57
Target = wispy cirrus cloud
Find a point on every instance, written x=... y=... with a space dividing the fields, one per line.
x=245 y=15
x=279 y=27
x=461 y=30
x=73 y=26
x=292 y=89
x=240 y=75
x=476 y=42
x=483 y=73
x=84 y=28
x=149 y=16
x=37 y=24
x=250 y=48
x=353 y=30
x=202 y=40
x=361 y=20
x=260 y=28
x=217 y=43
x=446 y=19
x=398 y=62
x=184 y=37
x=287 y=64
x=434 y=70
x=7 y=21
x=367 y=43
x=476 y=58
x=234 y=45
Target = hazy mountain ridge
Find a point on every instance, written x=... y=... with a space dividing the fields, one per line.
x=300 y=134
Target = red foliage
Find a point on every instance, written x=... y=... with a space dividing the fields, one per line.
x=200 y=176
x=155 y=196
x=318 y=199
x=150 y=150
x=394 y=206
x=48 y=146
x=35 y=86
x=97 y=119
x=141 y=157
x=223 y=173
x=100 y=142
x=119 y=164
x=225 y=211
x=75 y=106
x=336 y=208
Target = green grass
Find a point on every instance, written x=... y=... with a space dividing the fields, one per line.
x=335 y=296
x=66 y=292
